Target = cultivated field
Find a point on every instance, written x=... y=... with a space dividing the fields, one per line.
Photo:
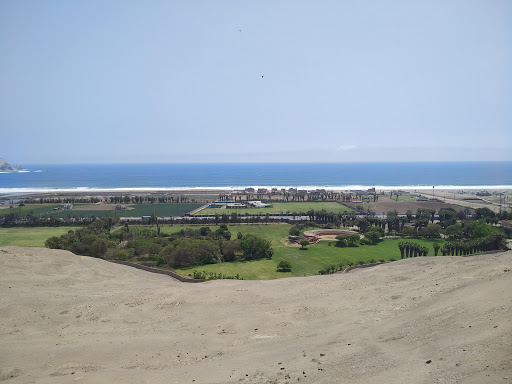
x=280 y=208
x=33 y=209
x=135 y=210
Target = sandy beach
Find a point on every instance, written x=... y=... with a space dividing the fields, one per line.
x=67 y=318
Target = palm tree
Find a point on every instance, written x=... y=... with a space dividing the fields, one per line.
x=436 y=248
x=408 y=251
x=401 y=245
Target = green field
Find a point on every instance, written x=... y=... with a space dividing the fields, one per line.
x=406 y=198
x=30 y=237
x=136 y=210
x=34 y=209
x=280 y=208
x=304 y=262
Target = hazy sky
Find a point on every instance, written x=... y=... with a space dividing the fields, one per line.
x=188 y=81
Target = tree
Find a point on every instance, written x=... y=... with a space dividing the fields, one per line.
x=284 y=266
x=205 y=231
x=401 y=246
x=53 y=242
x=239 y=235
x=372 y=236
x=255 y=248
x=294 y=231
x=479 y=229
x=447 y=216
x=436 y=248
x=454 y=232
x=304 y=243
x=431 y=230
x=392 y=220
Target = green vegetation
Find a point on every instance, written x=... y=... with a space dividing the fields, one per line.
x=281 y=208
x=136 y=210
x=79 y=210
x=318 y=257
x=405 y=198
x=205 y=275
x=33 y=209
x=284 y=266
x=30 y=237
x=475 y=237
x=188 y=247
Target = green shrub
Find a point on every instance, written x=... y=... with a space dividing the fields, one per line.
x=284 y=266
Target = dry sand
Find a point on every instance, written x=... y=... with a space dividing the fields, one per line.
x=66 y=318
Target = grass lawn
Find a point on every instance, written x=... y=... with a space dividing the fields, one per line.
x=30 y=237
x=281 y=208
x=406 y=198
x=304 y=262
x=137 y=211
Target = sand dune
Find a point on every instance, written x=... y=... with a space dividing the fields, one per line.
x=66 y=318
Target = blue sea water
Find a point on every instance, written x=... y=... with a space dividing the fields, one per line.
x=454 y=175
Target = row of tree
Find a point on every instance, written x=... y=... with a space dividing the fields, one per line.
x=460 y=248
x=410 y=249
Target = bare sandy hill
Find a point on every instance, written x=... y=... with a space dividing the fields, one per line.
x=66 y=318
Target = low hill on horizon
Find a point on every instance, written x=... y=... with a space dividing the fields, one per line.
x=5 y=166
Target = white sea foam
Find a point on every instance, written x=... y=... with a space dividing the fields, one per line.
x=237 y=188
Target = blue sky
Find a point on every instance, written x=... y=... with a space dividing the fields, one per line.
x=227 y=81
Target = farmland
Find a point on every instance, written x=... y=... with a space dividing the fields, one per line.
x=86 y=210
x=280 y=208
x=33 y=209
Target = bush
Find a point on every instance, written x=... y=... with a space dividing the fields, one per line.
x=53 y=243
x=294 y=230
x=284 y=266
x=121 y=254
x=372 y=237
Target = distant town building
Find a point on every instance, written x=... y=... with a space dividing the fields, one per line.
x=235 y=205
x=68 y=206
x=258 y=204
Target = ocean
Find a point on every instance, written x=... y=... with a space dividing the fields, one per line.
x=342 y=176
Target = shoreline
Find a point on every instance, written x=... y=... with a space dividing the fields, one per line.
x=407 y=188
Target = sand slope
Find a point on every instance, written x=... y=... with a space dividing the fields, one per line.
x=66 y=318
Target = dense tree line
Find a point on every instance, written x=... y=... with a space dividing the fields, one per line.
x=185 y=248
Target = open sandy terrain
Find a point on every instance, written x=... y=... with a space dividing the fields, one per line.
x=66 y=318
